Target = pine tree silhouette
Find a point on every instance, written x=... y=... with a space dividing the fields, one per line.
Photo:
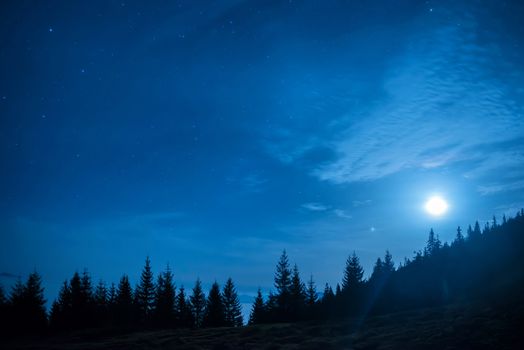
x=27 y=312
x=433 y=244
x=476 y=231
x=164 y=311
x=3 y=311
x=353 y=273
x=232 y=307
x=469 y=233
x=297 y=295
x=311 y=298
x=87 y=311
x=34 y=304
x=101 y=308
x=3 y=300
x=124 y=308
x=459 y=238
x=214 y=310
x=258 y=310
x=184 y=315
x=145 y=294
x=60 y=317
x=311 y=292
x=327 y=302
x=198 y=302
x=388 y=266
x=111 y=304
x=283 y=286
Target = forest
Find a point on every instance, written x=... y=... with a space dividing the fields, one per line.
x=480 y=264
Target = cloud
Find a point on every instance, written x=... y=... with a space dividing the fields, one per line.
x=315 y=206
x=444 y=104
x=361 y=203
x=342 y=214
x=501 y=187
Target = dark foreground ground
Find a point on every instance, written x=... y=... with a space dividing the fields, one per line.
x=454 y=327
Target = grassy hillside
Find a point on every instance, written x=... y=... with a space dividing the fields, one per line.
x=475 y=326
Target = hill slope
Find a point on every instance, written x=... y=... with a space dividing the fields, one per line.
x=475 y=326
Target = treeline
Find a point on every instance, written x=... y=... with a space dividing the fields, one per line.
x=151 y=304
x=482 y=263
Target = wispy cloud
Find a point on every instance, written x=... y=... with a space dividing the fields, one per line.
x=315 y=206
x=501 y=187
x=443 y=103
x=342 y=214
x=362 y=203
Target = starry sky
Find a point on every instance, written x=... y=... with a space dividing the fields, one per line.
x=211 y=135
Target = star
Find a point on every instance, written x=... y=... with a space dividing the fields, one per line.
x=50 y=30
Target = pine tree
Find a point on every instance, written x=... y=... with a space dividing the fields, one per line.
x=476 y=231
x=214 y=311
x=165 y=299
x=388 y=266
x=111 y=295
x=494 y=222
x=111 y=303
x=328 y=294
x=124 y=308
x=327 y=303
x=87 y=315
x=100 y=294
x=272 y=308
x=3 y=299
x=433 y=244
x=338 y=290
x=353 y=273
x=258 y=310
x=76 y=319
x=86 y=288
x=311 y=292
x=297 y=294
x=101 y=304
x=459 y=239
x=283 y=286
x=60 y=317
x=26 y=303
x=16 y=307
x=378 y=271
x=3 y=312
x=35 y=318
x=232 y=307
x=145 y=293
x=198 y=302
x=469 y=232
x=504 y=219
x=183 y=312
x=311 y=298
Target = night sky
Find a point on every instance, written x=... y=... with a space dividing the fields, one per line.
x=211 y=135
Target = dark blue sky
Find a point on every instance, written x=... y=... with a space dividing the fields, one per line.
x=214 y=134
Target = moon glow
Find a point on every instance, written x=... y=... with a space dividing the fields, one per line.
x=436 y=206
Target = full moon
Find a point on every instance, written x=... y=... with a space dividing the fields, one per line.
x=436 y=206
